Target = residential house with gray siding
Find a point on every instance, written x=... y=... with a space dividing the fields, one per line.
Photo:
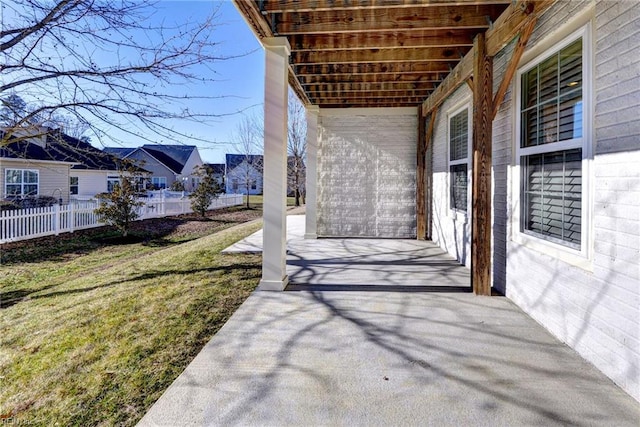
x=166 y=163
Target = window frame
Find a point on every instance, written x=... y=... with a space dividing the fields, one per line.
x=160 y=180
x=114 y=179
x=76 y=185
x=456 y=110
x=581 y=256
x=22 y=182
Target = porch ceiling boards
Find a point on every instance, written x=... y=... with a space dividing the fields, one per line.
x=371 y=53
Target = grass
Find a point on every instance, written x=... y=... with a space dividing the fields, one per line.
x=256 y=201
x=95 y=334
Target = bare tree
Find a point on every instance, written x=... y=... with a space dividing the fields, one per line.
x=105 y=64
x=296 y=148
x=249 y=143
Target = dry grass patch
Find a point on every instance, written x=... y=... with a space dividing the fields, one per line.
x=95 y=339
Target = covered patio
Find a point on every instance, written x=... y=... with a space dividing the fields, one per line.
x=384 y=333
x=401 y=58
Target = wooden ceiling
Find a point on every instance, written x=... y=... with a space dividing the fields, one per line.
x=371 y=53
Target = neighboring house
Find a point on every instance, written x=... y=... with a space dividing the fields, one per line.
x=30 y=169
x=218 y=172
x=56 y=165
x=166 y=163
x=244 y=174
x=528 y=146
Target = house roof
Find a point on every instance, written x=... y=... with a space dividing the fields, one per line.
x=216 y=168
x=233 y=160
x=120 y=152
x=384 y=53
x=60 y=148
x=174 y=157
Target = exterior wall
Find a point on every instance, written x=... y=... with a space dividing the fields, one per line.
x=53 y=177
x=189 y=169
x=593 y=305
x=91 y=182
x=450 y=230
x=367 y=172
x=242 y=172
x=152 y=165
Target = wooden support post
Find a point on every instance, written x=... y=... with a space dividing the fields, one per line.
x=422 y=195
x=421 y=167
x=429 y=173
x=481 y=173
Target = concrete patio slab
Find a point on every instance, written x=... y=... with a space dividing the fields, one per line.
x=388 y=359
x=332 y=352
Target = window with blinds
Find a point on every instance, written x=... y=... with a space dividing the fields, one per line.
x=459 y=159
x=551 y=146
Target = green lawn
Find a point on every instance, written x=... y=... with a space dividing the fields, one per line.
x=94 y=333
x=257 y=201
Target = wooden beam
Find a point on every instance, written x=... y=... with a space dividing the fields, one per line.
x=506 y=27
x=422 y=203
x=253 y=16
x=389 y=86
x=372 y=56
x=481 y=169
x=363 y=79
x=512 y=21
x=458 y=76
x=380 y=40
x=388 y=19
x=281 y=6
x=364 y=98
x=380 y=68
x=513 y=65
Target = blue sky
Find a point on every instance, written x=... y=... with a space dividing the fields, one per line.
x=240 y=80
x=230 y=86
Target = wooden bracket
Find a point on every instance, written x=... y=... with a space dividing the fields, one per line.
x=513 y=65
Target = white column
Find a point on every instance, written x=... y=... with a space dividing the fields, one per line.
x=274 y=269
x=311 y=198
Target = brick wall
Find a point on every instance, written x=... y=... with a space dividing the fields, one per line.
x=367 y=173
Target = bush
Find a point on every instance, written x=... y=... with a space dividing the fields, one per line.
x=119 y=208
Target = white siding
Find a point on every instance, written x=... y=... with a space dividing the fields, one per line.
x=594 y=308
x=367 y=172
x=91 y=182
x=189 y=168
x=597 y=310
x=451 y=230
x=53 y=177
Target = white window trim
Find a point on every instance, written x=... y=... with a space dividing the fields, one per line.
x=22 y=183
x=457 y=109
x=76 y=185
x=160 y=179
x=582 y=258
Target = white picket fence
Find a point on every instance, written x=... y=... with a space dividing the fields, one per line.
x=23 y=224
